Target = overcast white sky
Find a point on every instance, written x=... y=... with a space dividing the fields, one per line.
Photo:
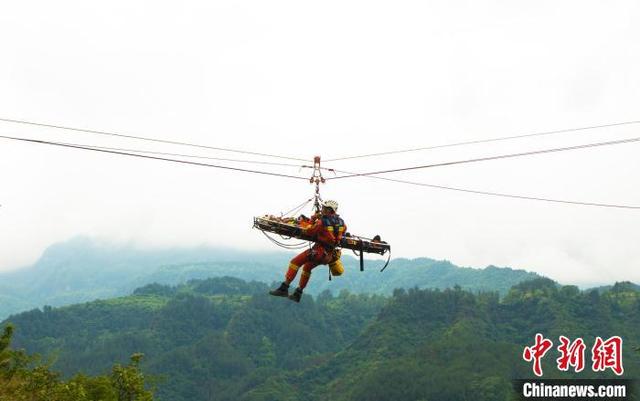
x=333 y=78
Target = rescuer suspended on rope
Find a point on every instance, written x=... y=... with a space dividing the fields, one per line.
x=327 y=229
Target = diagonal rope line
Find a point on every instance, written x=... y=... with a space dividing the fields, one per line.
x=498 y=194
x=97 y=132
x=543 y=133
x=150 y=157
x=298 y=208
x=151 y=152
x=481 y=159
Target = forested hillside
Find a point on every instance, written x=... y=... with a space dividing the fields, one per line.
x=26 y=377
x=225 y=339
x=82 y=270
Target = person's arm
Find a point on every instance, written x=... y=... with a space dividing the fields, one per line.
x=314 y=229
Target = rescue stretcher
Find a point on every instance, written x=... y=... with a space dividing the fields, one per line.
x=291 y=228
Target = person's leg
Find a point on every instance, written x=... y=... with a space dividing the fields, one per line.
x=294 y=265
x=306 y=274
x=292 y=271
x=304 y=279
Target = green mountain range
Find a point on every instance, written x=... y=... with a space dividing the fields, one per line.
x=82 y=270
x=225 y=339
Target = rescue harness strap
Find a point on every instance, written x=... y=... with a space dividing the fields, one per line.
x=387 y=263
x=361 y=256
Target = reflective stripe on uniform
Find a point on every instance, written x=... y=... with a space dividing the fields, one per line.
x=293 y=267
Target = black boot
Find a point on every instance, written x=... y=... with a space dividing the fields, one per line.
x=282 y=291
x=297 y=294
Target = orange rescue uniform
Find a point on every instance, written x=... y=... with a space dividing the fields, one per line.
x=327 y=232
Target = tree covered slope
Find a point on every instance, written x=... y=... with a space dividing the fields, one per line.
x=225 y=339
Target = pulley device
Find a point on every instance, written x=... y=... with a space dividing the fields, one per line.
x=288 y=226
